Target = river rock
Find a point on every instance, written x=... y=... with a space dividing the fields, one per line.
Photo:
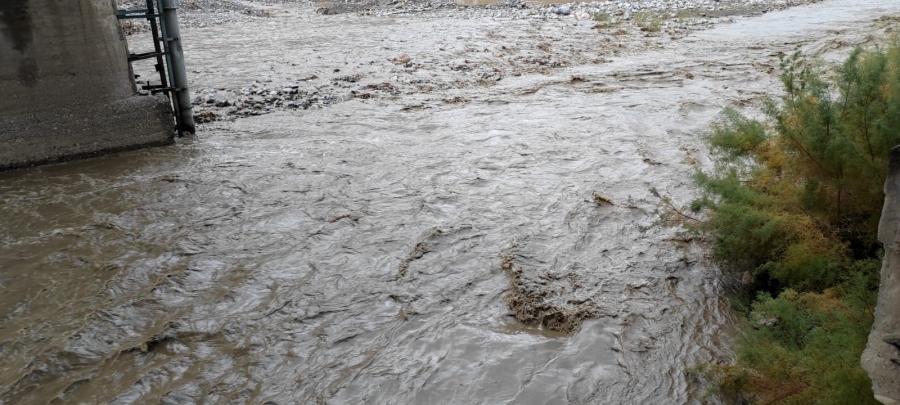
x=881 y=359
x=563 y=10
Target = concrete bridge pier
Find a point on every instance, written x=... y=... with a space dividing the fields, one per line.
x=66 y=87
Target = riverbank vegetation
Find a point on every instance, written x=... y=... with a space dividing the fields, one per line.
x=792 y=206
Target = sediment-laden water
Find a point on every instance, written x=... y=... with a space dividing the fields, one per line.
x=387 y=248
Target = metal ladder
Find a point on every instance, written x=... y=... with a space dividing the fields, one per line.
x=169 y=56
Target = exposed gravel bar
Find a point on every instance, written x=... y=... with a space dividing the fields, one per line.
x=665 y=13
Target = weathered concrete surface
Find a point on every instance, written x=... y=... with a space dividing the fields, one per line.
x=881 y=359
x=66 y=88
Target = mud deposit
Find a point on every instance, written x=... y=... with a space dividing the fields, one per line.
x=442 y=240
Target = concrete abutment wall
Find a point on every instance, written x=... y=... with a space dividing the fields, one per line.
x=66 y=88
x=881 y=359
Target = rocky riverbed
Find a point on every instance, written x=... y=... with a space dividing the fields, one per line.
x=616 y=29
x=667 y=13
x=625 y=26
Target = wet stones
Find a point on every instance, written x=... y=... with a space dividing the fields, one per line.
x=348 y=79
x=402 y=59
x=462 y=67
x=456 y=100
x=259 y=99
x=204 y=13
x=265 y=96
x=331 y=10
x=364 y=96
x=203 y=117
x=698 y=14
x=490 y=76
x=561 y=10
x=545 y=60
x=384 y=86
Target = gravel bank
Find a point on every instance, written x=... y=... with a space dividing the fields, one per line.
x=656 y=14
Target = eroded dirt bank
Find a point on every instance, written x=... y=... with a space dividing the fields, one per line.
x=369 y=250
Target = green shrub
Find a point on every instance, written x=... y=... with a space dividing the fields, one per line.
x=801 y=348
x=648 y=21
x=795 y=201
x=605 y=20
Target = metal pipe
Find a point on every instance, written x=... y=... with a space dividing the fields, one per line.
x=181 y=95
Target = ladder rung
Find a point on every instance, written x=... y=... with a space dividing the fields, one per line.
x=148 y=16
x=163 y=90
x=138 y=11
x=138 y=56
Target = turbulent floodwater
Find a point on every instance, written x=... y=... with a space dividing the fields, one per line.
x=362 y=253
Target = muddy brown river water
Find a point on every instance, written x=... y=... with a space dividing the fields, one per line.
x=375 y=251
